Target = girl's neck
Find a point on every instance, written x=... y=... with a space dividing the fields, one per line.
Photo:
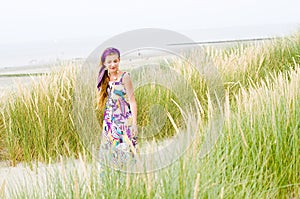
x=114 y=73
x=114 y=76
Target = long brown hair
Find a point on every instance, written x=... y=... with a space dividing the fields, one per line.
x=103 y=91
x=103 y=94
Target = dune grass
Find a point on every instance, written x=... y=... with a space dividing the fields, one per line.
x=36 y=121
x=256 y=156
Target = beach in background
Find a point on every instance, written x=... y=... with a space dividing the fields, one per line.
x=37 y=53
x=22 y=62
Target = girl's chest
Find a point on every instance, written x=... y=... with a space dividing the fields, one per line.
x=116 y=90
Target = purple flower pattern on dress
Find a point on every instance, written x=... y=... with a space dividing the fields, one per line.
x=117 y=121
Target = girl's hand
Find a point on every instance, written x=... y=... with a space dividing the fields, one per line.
x=134 y=135
x=134 y=130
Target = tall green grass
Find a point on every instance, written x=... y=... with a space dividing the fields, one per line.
x=255 y=157
x=245 y=63
x=37 y=123
x=262 y=131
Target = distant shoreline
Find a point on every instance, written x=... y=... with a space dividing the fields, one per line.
x=52 y=50
x=25 y=73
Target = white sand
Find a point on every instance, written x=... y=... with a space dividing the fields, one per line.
x=42 y=178
x=10 y=82
x=22 y=178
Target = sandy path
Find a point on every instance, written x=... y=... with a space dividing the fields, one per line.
x=22 y=178
x=43 y=178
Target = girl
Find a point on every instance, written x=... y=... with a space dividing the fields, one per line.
x=116 y=97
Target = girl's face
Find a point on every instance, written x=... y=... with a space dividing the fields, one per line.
x=112 y=63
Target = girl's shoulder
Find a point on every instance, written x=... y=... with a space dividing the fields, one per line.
x=125 y=75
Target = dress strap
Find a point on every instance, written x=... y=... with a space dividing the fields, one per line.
x=122 y=76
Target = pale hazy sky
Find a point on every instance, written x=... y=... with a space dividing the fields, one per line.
x=38 y=31
x=36 y=20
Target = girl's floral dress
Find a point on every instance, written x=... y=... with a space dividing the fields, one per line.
x=117 y=122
